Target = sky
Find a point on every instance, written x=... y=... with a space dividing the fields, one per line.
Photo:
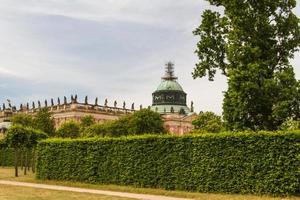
x=114 y=49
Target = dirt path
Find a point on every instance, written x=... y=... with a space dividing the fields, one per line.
x=91 y=191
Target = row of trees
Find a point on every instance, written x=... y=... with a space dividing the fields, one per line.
x=141 y=122
x=23 y=136
x=23 y=140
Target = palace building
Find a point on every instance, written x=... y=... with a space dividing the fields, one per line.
x=168 y=99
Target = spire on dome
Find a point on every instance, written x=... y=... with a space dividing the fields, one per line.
x=169 y=73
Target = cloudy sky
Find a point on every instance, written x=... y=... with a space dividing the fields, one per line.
x=113 y=49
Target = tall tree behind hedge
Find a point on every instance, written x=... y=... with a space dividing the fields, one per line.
x=86 y=122
x=146 y=121
x=208 y=122
x=69 y=129
x=43 y=121
x=251 y=44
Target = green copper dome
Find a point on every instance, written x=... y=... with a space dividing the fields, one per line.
x=169 y=85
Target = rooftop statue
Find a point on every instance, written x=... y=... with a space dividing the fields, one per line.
x=105 y=102
x=86 y=100
x=46 y=103
x=96 y=101
x=58 y=100
x=115 y=104
x=52 y=102
x=39 y=104
x=65 y=100
x=132 y=106
x=33 y=105
x=9 y=103
x=75 y=98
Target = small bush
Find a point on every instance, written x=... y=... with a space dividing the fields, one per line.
x=68 y=129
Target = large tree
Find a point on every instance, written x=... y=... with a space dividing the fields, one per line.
x=208 y=122
x=251 y=43
x=44 y=121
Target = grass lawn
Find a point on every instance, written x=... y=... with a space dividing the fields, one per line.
x=8 y=174
x=26 y=193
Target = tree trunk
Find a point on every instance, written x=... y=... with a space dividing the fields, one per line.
x=16 y=162
x=28 y=159
x=4 y=157
x=25 y=161
x=21 y=158
x=33 y=160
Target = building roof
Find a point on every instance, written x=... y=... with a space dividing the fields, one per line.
x=169 y=85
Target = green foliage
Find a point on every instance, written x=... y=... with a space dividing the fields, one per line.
x=260 y=163
x=290 y=125
x=141 y=122
x=251 y=44
x=97 y=130
x=44 y=122
x=16 y=136
x=145 y=121
x=6 y=154
x=19 y=136
x=23 y=141
x=6 y=157
x=69 y=129
x=23 y=119
x=86 y=122
x=208 y=122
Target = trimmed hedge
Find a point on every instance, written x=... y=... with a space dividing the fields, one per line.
x=6 y=157
x=257 y=163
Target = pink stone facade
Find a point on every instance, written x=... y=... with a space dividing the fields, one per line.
x=173 y=122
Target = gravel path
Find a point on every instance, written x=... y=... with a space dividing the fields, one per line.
x=91 y=191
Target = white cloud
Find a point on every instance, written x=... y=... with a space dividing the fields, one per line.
x=113 y=49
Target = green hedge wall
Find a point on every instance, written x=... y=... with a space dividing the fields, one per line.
x=259 y=163
x=6 y=157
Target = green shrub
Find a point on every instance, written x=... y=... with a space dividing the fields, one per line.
x=146 y=121
x=260 y=163
x=69 y=129
x=208 y=122
x=86 y=122
x=97 y=130
x=141 y=122
x=6 y=157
